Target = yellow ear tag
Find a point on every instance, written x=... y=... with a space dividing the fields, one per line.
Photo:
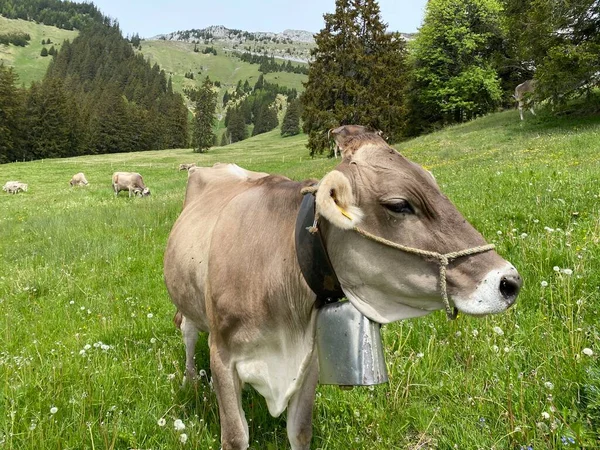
x=344 y=213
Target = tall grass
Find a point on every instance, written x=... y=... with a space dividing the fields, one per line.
x=85 y=319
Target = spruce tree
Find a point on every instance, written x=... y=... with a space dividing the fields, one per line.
x=291 y=119
x=204 y=119
x=357 y=75
x=12 y=117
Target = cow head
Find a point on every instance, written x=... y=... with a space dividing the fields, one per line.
x=389 y=196
x=145 y=192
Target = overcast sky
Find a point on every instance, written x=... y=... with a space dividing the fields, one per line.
x=152 y=17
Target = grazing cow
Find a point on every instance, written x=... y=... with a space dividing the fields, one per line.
x=78 y=180
x=231 y=269
x=186 y=166
x=523 y=94
x=129 y=181
x=340 y=134
x=14 y=187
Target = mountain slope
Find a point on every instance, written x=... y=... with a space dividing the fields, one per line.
x=27 y=62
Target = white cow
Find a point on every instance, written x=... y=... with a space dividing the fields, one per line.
x=129 y=181
x=14 y=187
x=78 y=180
x=523 y=94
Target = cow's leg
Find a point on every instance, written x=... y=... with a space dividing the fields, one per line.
x=190 y=338
x=521 y=111
x=532 y=111
x=228 y=387
x=129 y=191
x=300 y=409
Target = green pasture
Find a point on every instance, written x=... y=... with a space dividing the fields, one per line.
x=28 y=63
x=90 y=359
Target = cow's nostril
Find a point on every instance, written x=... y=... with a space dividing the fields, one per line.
x=509 y=287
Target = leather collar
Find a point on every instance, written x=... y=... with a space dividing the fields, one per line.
x=313 y=258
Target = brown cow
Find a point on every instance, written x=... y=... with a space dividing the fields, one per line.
x=78 y=180
x=186 y=166
x=523 y=94
x=129 y=181
x=231 y=270
x=345 y=132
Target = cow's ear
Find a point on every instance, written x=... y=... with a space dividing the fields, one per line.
x=335 y=201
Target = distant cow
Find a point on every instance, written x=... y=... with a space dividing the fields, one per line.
x=14 y=187
x=186 y=166
x=523 y=94
x=341 y=134
x=129 y=181
x=78 y=180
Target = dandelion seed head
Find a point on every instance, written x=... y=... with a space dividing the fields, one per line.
x=544 y=283
x=183 y=438
x=53 y=410
x=161 y=422
x=179 y=425
x=587 y=351
x=150 y=315
x=498 y=331
x=545 y=415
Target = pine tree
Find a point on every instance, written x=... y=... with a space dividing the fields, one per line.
x=44 y=52
x=266 y=119
x=204 y=119
x=236 y=127
x=291 y=119
x=12 y=117
x=357 y=76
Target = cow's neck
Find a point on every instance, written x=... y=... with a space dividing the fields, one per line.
x=312 y=255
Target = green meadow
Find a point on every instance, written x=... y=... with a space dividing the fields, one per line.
x=90 y=358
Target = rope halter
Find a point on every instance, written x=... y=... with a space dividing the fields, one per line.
x=443 y=259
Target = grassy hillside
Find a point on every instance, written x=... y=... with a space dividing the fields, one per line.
x=86 y=325
x=177 y=58
x=28 y=63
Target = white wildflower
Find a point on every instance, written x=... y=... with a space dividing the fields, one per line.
x=544 y=283
x=499 y=233
x=498 y=331
x=183 y=438
x=179 y=425
x=105 y=347
x=545 y=415
x=567 y=272
x=523 y=235
x=556 y=269
x=475 y=333
x=495 y=348
x=153 y=341
x=87 y=346
x=587 y=351
x=53 y=410
x=549 y=230
x=420 y=355
x=171 y=376
x=161 y=422
x=150 y=315
x=549 y=385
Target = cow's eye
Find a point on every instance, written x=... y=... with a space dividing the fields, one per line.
x=401 y=207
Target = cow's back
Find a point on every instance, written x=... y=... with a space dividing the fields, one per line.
x=185 y=263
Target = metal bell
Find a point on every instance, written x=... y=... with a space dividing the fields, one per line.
x=350 y=347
